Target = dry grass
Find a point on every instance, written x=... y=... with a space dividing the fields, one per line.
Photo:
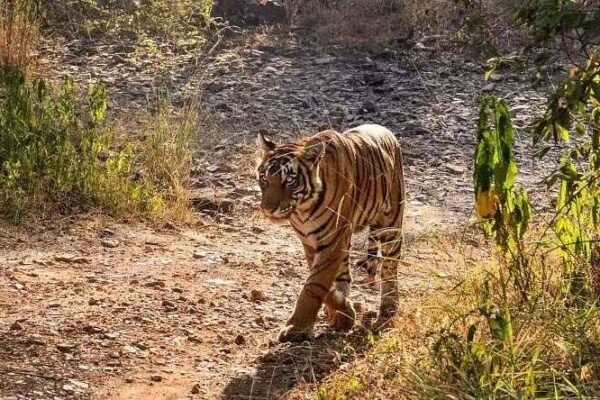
x=18 y=34
x=452 y=344
x=375 y=25
x=165 y=149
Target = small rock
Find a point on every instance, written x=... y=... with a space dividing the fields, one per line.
x=168 y=304
x=196 y=388
x=170 y=225
x=199 y=254
x=141 y=346
x=79 y=384
x=71 y=258
x=68 y=388
x=260 y=321
x=210 y=205
x=194 y=339
x=110 y=243
x=219 y=282
x=257 y=296
x=106 y=232
x=368 y=107
x=111 y=335
x=155 y=284
x=457 y=169
x=16 y=326
x=324 y=60
x=129 y=349
x=156 y=378
x=94 y=302
x=374 y=79
x=65 y=347
x=35 y=340
x=240 y=340
x=92 y=329
x=490 y=87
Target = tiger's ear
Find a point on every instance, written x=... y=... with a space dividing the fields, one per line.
x=314 y=151
x=264 y=143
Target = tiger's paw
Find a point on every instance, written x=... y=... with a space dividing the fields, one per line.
x=291 y=333
x=343 y=320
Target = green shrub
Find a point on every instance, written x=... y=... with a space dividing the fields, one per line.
x=58 y=154
x=184 y=23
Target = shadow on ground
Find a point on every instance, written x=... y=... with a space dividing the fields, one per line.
x=287 y=366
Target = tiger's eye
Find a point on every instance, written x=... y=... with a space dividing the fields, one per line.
x=262 y=182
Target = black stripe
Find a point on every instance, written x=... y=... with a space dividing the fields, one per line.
x=319 y=202
x=323 y=226
x=372 y=196
x=317 y=284
x=320 y=268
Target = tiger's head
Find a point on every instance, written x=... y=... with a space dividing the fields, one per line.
x=288 y=175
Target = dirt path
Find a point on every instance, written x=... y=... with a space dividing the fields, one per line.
x=96 y=309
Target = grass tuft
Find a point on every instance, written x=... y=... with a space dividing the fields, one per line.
x=18 y=34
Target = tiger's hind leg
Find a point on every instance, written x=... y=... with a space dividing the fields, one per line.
x=370 y=263
x=340 y=310
x=391 y=248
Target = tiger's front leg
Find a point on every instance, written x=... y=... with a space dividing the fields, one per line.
x=340 y=310
x=318 y=289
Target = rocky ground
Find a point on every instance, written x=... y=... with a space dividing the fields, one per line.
x=97 y=309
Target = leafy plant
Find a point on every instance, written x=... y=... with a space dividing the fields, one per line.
x=58 y=154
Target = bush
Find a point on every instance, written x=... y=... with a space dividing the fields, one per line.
x=183 y=23
x=58 y=154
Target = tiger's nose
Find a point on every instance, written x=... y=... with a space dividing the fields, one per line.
x=268 y=207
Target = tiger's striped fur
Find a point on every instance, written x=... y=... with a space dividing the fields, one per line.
x=328 y=187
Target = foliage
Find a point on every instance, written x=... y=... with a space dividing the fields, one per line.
x=59 y=154
x=181 y=23
x=575 y=22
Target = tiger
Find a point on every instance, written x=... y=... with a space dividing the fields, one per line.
x=328 y=187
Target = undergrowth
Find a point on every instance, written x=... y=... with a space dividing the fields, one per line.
x=59 y=154
x=173 y=20
x=480 y=28
x=525 y=324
